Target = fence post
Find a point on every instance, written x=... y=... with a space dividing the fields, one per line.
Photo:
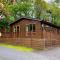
x=44 y=43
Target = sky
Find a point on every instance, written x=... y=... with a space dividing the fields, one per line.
x=48 y=1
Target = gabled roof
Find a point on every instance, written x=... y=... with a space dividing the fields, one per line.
x=24 y=19
x=50 y=24
x=41 y=21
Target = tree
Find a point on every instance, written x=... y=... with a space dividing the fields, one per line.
x=20 y=10
x=57 y=1
x=3 y=23
x=17 y=10
x=40 y=5
x=55 y=13
x=14 y=9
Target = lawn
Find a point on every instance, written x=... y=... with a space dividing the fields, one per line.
x=18 y=48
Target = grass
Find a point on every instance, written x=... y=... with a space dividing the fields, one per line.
x=18 y=48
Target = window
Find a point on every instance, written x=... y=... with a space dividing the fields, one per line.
x=14 y=30
x=30 y=27
x=17 y=28
x=33 y=27
x=27 y=28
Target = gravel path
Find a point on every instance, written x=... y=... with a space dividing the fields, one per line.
x=12 y=54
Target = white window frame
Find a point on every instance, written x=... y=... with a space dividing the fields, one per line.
x=14 y=28
x=27 y=28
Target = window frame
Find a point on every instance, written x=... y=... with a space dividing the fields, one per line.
x=33 y=27
x=14 y=29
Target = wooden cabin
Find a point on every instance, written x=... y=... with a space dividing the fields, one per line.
x=33 y=33
x=26 y=28
x=33 y=28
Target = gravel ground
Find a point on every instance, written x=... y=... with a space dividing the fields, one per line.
x=12 y=54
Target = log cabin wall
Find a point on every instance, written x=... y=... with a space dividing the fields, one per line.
x=22 y=29
x=42 y=32
x=51 y=35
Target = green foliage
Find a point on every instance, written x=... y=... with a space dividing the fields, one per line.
x=3 y=23
x=57 y=1
x=21 y=9
x=40 y=6
x=55 y=12
x=29 y=8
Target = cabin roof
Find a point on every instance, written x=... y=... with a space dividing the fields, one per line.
x=41 y=21
x=50 y=24
x=23 y=19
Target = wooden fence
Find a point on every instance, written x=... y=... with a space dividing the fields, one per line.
x=36 y=43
